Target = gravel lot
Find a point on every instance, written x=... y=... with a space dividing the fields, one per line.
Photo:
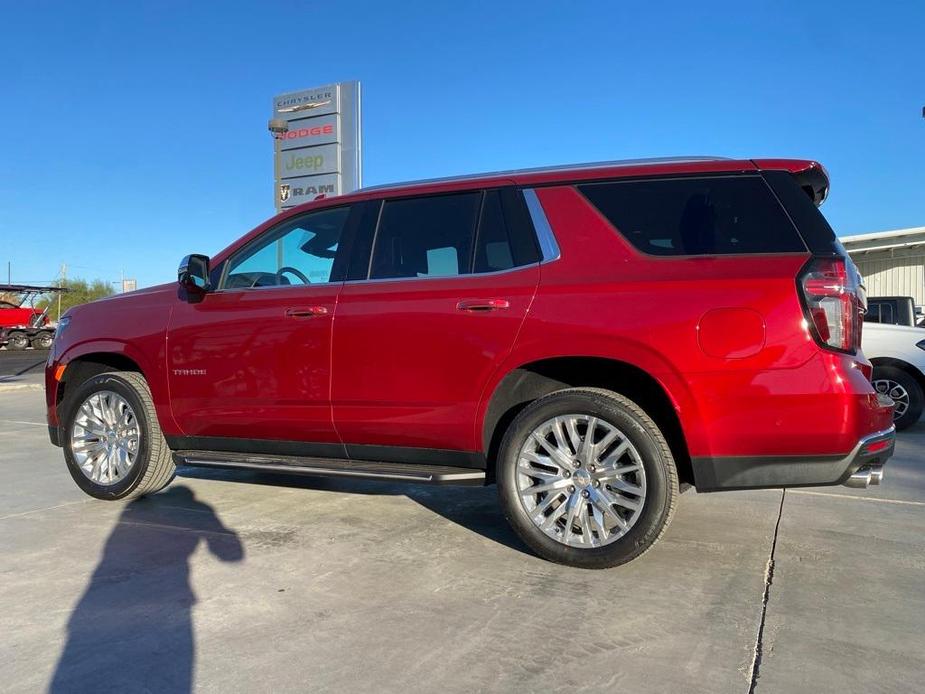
x=228 y=582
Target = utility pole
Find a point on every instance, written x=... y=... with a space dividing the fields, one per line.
x=9 y=272
x=61 y=282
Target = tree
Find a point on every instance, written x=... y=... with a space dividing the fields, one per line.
x=79 y=292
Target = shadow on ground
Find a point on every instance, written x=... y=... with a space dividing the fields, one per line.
x=132 y=629
x=474 y=508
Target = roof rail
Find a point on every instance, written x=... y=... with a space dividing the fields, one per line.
x=546 y=169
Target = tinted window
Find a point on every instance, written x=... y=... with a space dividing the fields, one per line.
x=696 y=216
x=493 y=249
x=425 y=237
x=809 y=219
x=879 y=312
x=524 y=244
x=300 y=251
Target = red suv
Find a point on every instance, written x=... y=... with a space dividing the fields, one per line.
x=592 y=338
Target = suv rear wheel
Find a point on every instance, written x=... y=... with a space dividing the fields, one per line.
x=905 y=391
x=586 y=478
x=113 y=443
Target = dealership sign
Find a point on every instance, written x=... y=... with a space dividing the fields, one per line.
x=295 y=191
x=319 y=155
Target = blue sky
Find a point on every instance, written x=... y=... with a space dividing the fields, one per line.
x=132 y=133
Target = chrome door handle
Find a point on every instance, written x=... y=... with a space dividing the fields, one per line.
x=481 y=305
x=306 y=312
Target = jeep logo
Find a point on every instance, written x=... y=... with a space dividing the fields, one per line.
x=312 y=163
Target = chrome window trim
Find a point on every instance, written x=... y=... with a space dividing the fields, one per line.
x=549 y=247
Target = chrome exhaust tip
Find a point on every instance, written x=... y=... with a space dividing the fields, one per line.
x=861 y=479
x=876 y=475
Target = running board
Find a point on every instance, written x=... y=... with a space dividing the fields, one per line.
x=325 y=467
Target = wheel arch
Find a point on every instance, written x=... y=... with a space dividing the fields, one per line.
x=86 y=359
x=86 y=365
x=529 y=381
x=902 y=365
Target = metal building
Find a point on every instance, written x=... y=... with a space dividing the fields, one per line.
x=891 y=262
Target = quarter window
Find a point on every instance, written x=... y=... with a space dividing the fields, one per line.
x=300 y=251
x=696 y=216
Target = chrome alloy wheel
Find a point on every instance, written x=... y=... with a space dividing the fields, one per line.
x=897 y=393
x=105 y=437
x=581 y=480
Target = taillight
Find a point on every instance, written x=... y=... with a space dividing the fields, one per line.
x=833 y=300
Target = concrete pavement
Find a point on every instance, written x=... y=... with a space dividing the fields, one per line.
x=234 y=582
x=22 y=370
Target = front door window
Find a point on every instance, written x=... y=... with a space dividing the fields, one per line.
x=301 y=251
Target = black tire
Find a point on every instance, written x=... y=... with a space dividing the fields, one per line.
x=153 y=468
x=885 y=375
x=17 y=341
x=43 y=340
x=661 y=493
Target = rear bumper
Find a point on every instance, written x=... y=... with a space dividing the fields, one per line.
x=771 y=472
x=819 y=409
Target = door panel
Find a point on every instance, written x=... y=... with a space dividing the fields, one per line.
x=409 y=364
x=253 y=359
x=254 y=364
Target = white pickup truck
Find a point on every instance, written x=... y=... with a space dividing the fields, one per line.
x=898 y=355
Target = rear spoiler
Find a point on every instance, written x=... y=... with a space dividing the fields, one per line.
x=811 y=176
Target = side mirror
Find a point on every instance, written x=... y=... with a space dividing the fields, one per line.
x=193 y=274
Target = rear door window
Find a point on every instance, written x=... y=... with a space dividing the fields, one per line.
x=425 y=237
x=493 y=248
x=696 y=216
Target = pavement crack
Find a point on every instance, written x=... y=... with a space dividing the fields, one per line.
x=768 y=580
x=44 y=508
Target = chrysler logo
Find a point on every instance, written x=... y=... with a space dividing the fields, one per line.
x=303 y=107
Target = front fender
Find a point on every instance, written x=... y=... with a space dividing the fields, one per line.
x=147 y=354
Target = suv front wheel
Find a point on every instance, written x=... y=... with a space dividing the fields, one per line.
x=586 y=478
x=113 y=443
